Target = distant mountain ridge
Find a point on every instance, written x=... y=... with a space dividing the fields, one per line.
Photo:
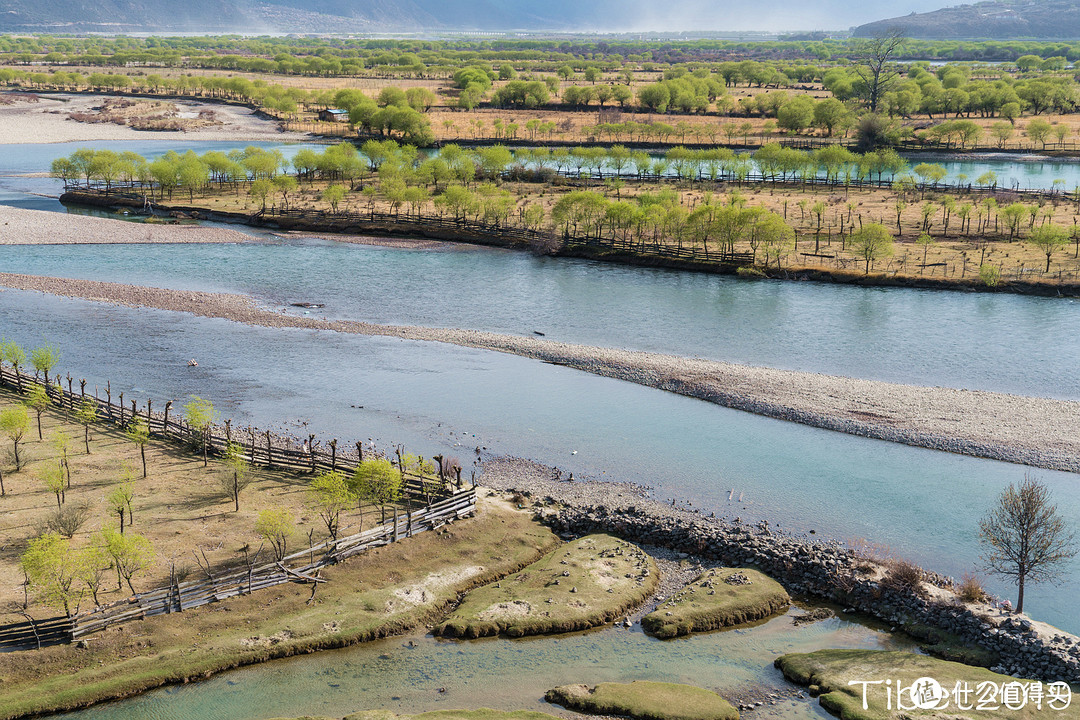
x=302 y=16
x=995 y=19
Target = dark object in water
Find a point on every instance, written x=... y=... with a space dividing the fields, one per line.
x=308 y=305
x=537 y=332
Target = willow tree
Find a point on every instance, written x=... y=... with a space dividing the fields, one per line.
x=86 y=414
x=138 y=432
x=37 y=400
x=872 y=241
x=200 y=415
x=15 y=422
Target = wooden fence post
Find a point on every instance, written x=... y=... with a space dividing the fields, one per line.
x=121 y=408
x=165 y=427
x=360 y=451
x=311 y=451
x=333 y=455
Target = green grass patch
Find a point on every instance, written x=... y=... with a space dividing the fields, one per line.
x=585 y=583
x=481 y=714
x=645 y=701
x=950 y=646
x=711 y=603
x=386 y=591
x=828 y=672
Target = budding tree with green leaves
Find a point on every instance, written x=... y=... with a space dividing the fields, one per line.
x=38 y=400
x=200 y=415
x=329 y=495
x=86 y=414
x=50 y=570
x=43 y=359
x=15 y=422
x=276 y=525
x=237 y=475
x=138 y=432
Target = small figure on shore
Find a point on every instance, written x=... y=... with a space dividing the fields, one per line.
x=571 y=478
x=192 y=363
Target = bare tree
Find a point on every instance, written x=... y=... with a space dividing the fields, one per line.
x=1026 y=539
x=871 y=63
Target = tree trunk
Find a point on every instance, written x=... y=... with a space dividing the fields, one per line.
x=1020 y=594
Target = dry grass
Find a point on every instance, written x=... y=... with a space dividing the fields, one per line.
x=585 y=583
x=644 y=700
x=360 y=601
x=711 y=603
x=180 y=507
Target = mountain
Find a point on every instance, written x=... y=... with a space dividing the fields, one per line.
x=351 y=16
x=339 y=16
x=995 y=19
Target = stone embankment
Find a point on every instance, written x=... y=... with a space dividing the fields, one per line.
x=818 y=569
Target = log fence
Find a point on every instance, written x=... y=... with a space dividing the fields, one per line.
x=438 y=503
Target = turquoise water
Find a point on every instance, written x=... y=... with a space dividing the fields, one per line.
x=502 y=674
x=995 y=342
x=436 y=397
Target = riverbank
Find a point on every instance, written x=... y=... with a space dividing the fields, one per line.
x=809 y=567
x=1032 y=431
x=19 y=226
x=47 y=120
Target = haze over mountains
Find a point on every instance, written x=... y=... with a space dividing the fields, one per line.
x=343 y=16
x=1000 y=19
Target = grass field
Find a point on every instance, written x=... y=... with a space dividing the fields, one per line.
x=645 y=701
x=181 y=507
x=710 y=603
x=585 y=583
x=385 y=591
x=829 y=673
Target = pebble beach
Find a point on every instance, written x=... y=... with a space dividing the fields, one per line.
x=1032 y=431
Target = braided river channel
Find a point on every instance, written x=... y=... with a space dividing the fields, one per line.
x=443 y=398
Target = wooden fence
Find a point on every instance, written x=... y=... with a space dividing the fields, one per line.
x=259 y=447
x=440 y=503
x=300 y=567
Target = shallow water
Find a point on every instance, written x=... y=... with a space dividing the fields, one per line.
x=444 y=398
x=1001 y=342
x=498 y=673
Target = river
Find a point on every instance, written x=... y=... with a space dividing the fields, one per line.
x=434 y=397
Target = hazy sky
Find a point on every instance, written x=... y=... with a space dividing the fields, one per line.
x=774 y=14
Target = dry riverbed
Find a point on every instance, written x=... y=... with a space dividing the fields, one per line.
x=1033 y=431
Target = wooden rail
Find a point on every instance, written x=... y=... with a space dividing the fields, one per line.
x=439 y=503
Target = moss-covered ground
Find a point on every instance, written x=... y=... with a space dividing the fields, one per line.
x=711 y=602
x=585 y=583
x=645 y=701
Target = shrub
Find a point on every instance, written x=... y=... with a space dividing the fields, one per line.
x=903 y=576
x=750 y=272
x=970 y=589
x=67 y=520
x=990 y=275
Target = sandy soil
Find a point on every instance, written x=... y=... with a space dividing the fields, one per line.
x=46 y=121
x=1033 y=431
x=36 y=227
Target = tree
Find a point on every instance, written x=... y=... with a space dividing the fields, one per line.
x=15 y=422
x=1026 y=539
x=15 y=356
x=369 y=477
x=333 y=195
x=1048 y=238
x=871 y=60
x=43 y=359
x=91 y=564
x=832 y=115
x=37 y=400
x=1038 y=130
x=237 y=476
x=86 y=414
x=52 y=476
x=130 y=553
x=138 y=432
x=275 y=525
x=50 y=568
x=328 y=495
x=200 y=415
x=871 y=242
x=259 y=190
x=120 y=500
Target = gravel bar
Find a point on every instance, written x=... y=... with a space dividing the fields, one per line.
x=1032 y=431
